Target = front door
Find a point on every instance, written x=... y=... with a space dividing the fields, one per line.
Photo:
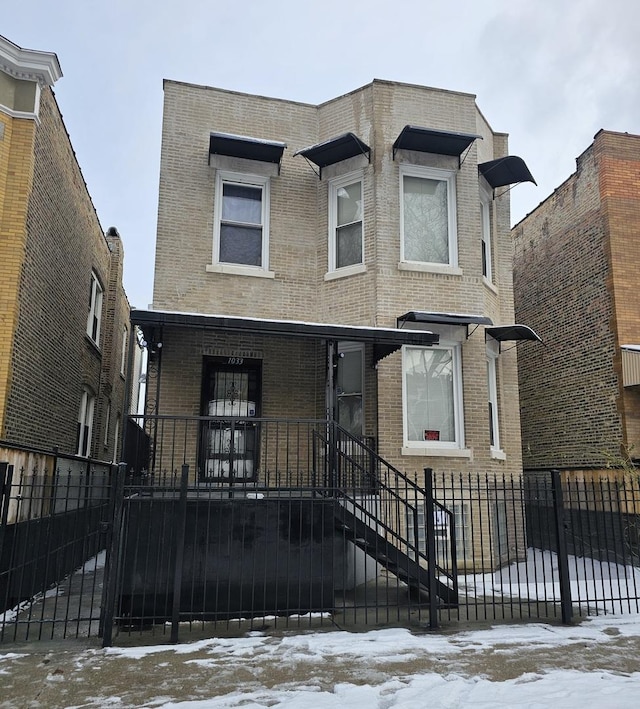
x=231 y=393
x=350 y=387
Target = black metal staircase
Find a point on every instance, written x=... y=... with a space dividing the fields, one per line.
x=390 y=517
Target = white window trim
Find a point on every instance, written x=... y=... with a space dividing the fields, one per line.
x=333 y=186
x=434 y=448
x=85 y=420
x=433 y=173
x=493 y=351
x=240 y=269
x=486 y=235
x=123 y=355
x=96 y=296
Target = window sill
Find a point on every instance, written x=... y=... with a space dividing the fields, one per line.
x=238 y=270
x=443 y=268
x=434 y=452
x=491 y=286
x=95 y=346
x=498 y=454
x=345 y=271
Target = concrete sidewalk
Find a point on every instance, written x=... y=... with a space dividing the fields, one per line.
x=79 y=673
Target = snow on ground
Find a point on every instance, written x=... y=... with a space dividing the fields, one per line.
x=533 y=665
x=605 y=586
x=377 y=649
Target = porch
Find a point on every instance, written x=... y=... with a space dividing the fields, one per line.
x=316 y=521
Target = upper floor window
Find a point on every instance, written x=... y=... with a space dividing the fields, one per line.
x=485 y=234
x=428 y=215
x=346 y=233
x=432 y=391
x=241 y=220
x=94 y=318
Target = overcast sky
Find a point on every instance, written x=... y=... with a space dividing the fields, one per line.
x=550 y=73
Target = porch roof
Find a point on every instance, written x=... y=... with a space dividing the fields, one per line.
x=385 y=339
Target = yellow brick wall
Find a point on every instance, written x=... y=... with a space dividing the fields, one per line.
x=16 y=177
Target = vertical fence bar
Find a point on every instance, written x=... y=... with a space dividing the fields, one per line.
x=179 y=556
x=112 y=562
x=6 y=476
x=563 y=557
x=429 y=511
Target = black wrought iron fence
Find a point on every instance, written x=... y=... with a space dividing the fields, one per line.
x=323 y=532
x=54 y=516
x=327 y=536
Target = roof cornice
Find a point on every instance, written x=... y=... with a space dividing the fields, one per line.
x=29 y=64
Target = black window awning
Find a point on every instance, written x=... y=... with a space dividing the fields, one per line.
x=504 y=333
x=505 y=171
x=241 y=146
x=429 y=140
x=331 y=151
x=385 y=340
x=444 y=318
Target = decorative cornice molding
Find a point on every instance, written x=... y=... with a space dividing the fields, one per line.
x=29 y=64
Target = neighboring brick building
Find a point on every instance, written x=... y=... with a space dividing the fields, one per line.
x=63 y=310
x=370 y=232
x=576 y=272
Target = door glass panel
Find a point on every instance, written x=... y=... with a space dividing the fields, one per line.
x=349 y=390
x=231 y=392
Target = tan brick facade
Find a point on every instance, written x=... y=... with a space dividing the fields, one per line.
x=301 y=287
x=575 y=279
x=51 y=243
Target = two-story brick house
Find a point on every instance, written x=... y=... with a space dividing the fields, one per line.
x=577 y=260
x=350 y=261
x=64 y=320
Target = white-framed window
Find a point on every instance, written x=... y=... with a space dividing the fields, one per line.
x=485 y=234
x=94 y=317
x=85 y=422
x=123 y=354
x=241 y=213
x=432 y=397
x=442 y=530
x=428 y=223
x=492 y=389
x=346 y=227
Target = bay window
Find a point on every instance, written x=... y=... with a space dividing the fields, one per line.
x=428 y=215
x=346 y=234
x=432 y=397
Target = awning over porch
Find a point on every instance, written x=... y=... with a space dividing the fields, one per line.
x=384 y=340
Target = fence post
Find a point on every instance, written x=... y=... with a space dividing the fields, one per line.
x=179 y=556
x=563 y=556
x=6 y=476
x=429 y=515
x=112 y=562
